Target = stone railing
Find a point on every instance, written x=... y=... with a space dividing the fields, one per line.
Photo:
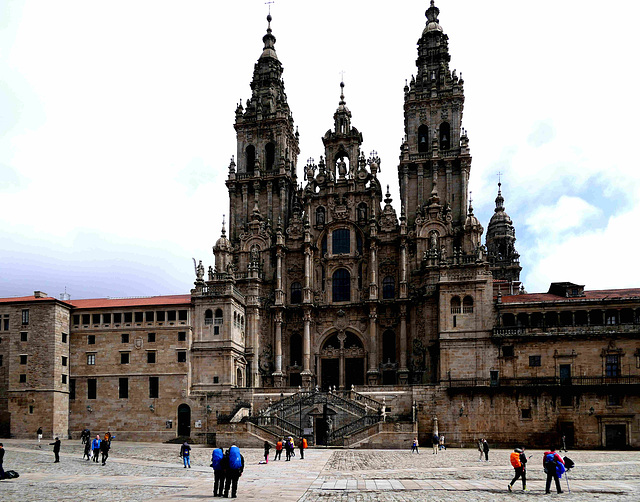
x=566 y=330
x=542 y=381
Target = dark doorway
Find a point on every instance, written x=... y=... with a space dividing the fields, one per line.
x=321 y=430
x=565 y=374
x=615 y=436
x=184 y=420
x=566 y=431
x=354 y=372
x=330 y=372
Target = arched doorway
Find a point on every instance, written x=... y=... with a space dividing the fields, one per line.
x=184 y=420
x=342 y=361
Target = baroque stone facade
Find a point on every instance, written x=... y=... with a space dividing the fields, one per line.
x=323 y=286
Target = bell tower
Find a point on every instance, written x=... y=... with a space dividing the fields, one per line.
x=262 y=181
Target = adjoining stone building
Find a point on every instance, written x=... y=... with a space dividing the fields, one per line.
x=327 y=314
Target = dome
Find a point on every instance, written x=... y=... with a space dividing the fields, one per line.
x=269 y=53
x=223 y=244
x=433 y=26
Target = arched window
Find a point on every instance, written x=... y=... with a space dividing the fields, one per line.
x=295 y=350
x=341 y=285
x=362 y=213
x=341 y=239
x=208 y=317
x=235 y=320
x=423 y=139
x=320 y=216
x=352 y=341
x=388 y=347
x=239 y=377
x=270 y=155
x=296 y=293
x=467 y=305
x=455 y=305
x=388 y=288
x=445 y=136
x=217 y=323
x=250 y=157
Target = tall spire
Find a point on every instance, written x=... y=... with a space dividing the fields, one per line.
x=269 y=41
x=499 y=199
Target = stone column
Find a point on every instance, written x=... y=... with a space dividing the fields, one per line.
x=306 y=350
x=403 y=270
x=403 y=372
x=373 y=373
x=245 y=204
x=277 y=374
x=341 y=362
x=373 y=285
x=307 y=275
x=420 y=184
x=270 y=200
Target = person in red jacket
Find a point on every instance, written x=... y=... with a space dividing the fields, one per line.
x=278 y=450
x=554 y=467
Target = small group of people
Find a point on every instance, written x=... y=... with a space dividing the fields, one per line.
x=227 y=469
x=483 y=448
x=288 y=445
x=553 y=464
x=92 y=449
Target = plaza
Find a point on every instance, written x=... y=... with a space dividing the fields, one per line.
x=150 y=471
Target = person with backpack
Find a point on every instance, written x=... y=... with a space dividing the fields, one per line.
x=218 y=471
x=278 y=450
x=435 y=440
x=185 y=451
x=105 y=446
x=87 y=450
x=519 y=462
x=56 y=449
x=236 y=467
x=553 y=465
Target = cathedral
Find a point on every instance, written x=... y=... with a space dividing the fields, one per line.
x=326 y=314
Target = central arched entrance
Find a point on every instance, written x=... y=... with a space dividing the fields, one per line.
x=184 y=420
x=342 y=361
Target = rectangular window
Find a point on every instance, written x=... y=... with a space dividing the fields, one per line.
x=613 y=400
x=507 y=351
x=171 y=315
x=124 y=338
x=494 y=376
x=91 y=359
x=76 y=319
x=65 y=337
x=182 y=356
x=153 y=387
x=535 y=361
x=160 y=316
x=151 y=337
x=23 y=378
x=138 y=316
x=128 y=317
x=124 y=357
x=72 y=388
x=92 y=388
x=341 y=241
x=86 y=318
x=216 y=330
x=31 y=408
x=23 y=359
x=64 y=360
x=149 y=316
x=182 y=315
x=91 y=339
x=25 y=316
x=0 y=359
x=566 y=400
x=117 y=318
x=106 y=318
x=95 y=318
x=526 y=413
x=612 y=368
x=151 y=357
x=64 y=379
x=24 y=336
x=182 y=336
x=216 y=379
x=123 y=388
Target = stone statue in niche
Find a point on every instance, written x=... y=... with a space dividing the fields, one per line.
x=433 y=237
x=342 y=168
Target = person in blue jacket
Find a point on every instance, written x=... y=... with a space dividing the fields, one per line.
x=95 y=448
x=236 y=466
x=218 y=471
x=185 y=453
x=554 y=467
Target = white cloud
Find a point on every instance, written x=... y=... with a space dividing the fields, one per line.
x=569 y=213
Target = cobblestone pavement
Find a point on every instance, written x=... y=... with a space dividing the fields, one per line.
x=149 y=471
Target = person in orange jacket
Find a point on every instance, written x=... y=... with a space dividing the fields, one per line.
x=278 y=450
x=302 y=445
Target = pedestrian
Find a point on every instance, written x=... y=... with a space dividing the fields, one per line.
x=414 y=446
x=1 y=461
x=185 y=451
x=267 y=449
x=442 y=446
x=302 y=446
x=480 y=449
x=435 y=440
x=56 y=449
x=553 y=465
x=292 y=447
x=218 y=471
x=485 y=448
x=287 y=449
x=564 y=444
x=519 y=462
x=105 y=446
x=236 y=466
x=39 y=434
x=279 y=450
x=87 y=450
x=95 y=448
x=83 y=436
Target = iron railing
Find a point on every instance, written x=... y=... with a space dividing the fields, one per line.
x=543 y=381
x=337 y=436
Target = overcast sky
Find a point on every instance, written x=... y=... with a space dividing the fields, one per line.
x=116 y=127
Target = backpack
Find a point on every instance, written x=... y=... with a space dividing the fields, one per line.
x=235 y=461
x=548 y=460
x=515 y=460
x=568 y=463
x=216 y=457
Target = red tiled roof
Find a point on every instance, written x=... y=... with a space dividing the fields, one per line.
x=26 y=299
x=604 y=294
x=98 y=303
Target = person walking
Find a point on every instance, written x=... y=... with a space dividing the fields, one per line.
x=302 y=445
x=56 y=449
x=485 y=449
x=87 y=450
x=217 y=457
x=278 y=450
x=267 y=449
x=287 y=450
x=1 y=461
x=435 y=441
x=441 y=445
x=185 y=451
x=554 y=467
x=519 y=462
x=105 y=446
x=414 y=446
x=236 y=467
x=39 y=434
x=480 y=449
x=95 y=448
